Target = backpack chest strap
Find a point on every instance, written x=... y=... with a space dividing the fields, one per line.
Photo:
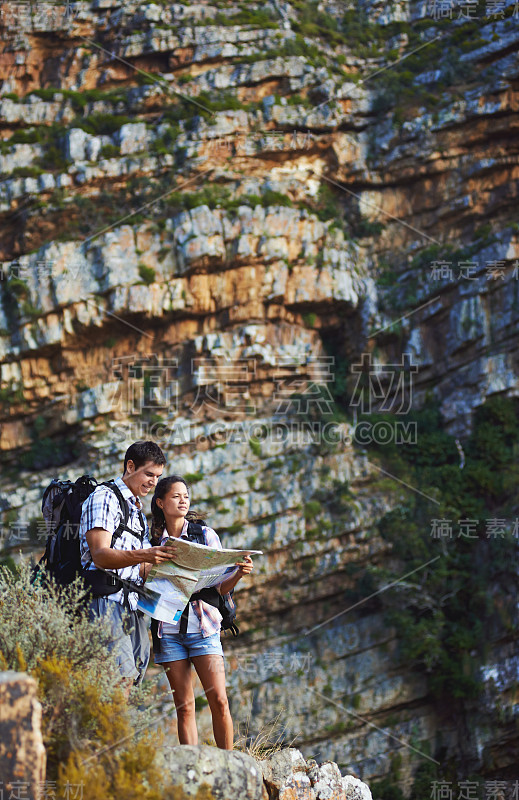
x=195 y=533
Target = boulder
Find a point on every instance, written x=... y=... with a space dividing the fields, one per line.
x=132 y=137
x=355 y=789
x=285 y=776
x=212 y=773
x=288 y=776
x=326 y=780
x=22 y=754
x=75 y=143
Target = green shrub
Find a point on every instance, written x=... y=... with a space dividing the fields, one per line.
x=310 y=319
x=17 y=287
x=29 y=136
x=193 y=477
x=271 y=198
x=245 y=16
x=44 y=94
x=312 y=509
x=147 y=79
x=80 y=100
x=328 y=203
x=109 y=151
x=255 y=446
x=46 y=451
x=165 y=143
x=367 y=228
x=46 y=632
x=11 y=395
x=236 y=527
x=101 y=124
x=147 y=274
x=53 y=159
x=386 y=789
x=26 y=172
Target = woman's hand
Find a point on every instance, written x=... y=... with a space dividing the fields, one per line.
x=245 y=566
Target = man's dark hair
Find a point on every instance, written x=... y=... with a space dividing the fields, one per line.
x=141 y=452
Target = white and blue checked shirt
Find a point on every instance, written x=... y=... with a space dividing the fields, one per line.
x=101 y=509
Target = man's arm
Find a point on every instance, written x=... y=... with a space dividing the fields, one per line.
x=105 y=557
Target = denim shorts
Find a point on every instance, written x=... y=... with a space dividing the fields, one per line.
x=178 y=646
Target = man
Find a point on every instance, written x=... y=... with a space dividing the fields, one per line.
x=130 y=555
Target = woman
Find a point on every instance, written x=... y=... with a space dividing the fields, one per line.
x=201 y=644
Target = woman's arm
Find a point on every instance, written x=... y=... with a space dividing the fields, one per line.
x=244 y=568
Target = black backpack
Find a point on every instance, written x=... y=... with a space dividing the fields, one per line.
x=224 y=603
x=61 y=509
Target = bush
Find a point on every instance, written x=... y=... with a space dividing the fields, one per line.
x=147 y=274
x=44 y=94
x=26 y=172
x=46 y=631
x=101 y=124
x=22 y=136
x=87 y=723
x=52 y=159
x=261 y=18
x=272 y=198
x=312 y=509
x=110 y=151
x=255 y=446
x=193 y=477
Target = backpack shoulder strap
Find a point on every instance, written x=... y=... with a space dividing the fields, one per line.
x=122 y=502
x=126 y=514
x=196 y=532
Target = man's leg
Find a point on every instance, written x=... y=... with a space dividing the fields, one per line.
x=140 y=643
x=120 y=629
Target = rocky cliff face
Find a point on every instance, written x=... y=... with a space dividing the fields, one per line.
x=216 y=217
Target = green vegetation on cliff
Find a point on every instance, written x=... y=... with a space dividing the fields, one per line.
x=447 y=612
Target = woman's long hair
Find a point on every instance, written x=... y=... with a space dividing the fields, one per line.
x=158 y=520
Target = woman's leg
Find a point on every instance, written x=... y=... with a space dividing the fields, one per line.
x=179 y=677
x=211 y=671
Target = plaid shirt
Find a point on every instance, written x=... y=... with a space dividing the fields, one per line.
x=203 y=617
x=101 y=509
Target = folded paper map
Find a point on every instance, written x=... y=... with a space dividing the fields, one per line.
x=170 y=584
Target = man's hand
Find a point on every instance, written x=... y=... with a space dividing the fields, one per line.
x=157 y=555
x=105 y=557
